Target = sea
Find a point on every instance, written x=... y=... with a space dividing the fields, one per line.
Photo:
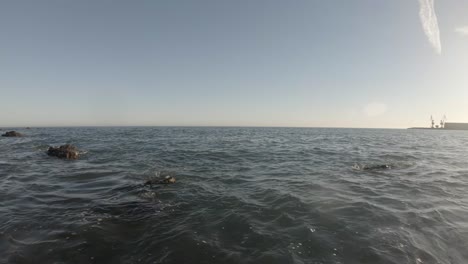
x=242 y=195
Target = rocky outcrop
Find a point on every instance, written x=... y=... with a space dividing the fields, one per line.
x=372 y=167
x=64 y=152
x=166 y=180
x=377 y=167
x=12 y=134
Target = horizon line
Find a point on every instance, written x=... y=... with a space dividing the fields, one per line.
x=193 y=126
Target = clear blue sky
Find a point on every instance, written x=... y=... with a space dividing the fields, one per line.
x=360 y=63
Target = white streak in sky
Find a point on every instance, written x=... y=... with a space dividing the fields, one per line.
x=462 y=31
x=429 y=23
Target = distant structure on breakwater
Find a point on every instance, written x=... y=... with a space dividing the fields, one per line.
x=443 y=125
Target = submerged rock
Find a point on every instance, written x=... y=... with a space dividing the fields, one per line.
x=372 y=167
x=167 y=180
x=12 y=134
x=382 y=167
x=65 y=152
x=377 y=167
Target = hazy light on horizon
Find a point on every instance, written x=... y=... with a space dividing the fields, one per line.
x=462 y=30
x=430 y=24
x=375 y=109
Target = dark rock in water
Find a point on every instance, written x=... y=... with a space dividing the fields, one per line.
x=12 y=134
x=372 y=167
x=167 y=180
x=28 y=128
x=377 y=167
x=65 y=152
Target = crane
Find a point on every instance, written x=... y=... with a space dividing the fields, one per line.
x=442 y=121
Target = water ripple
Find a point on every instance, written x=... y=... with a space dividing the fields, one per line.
x=243 y=195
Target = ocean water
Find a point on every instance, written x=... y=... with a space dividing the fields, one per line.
x=243 y=195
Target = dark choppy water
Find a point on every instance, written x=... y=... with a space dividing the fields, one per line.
x=244 y=195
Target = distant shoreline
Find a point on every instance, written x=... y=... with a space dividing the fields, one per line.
x=428 y=128
x=162 y=126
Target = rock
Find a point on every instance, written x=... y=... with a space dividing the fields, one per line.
x=372 y=167
x=382 y=167
x=377 y=167
x=65 y=152
x=12 y=134
x=167 y=180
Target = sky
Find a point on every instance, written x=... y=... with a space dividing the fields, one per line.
x=306 y=63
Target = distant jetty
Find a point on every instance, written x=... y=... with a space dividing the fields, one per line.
x=444 y=125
